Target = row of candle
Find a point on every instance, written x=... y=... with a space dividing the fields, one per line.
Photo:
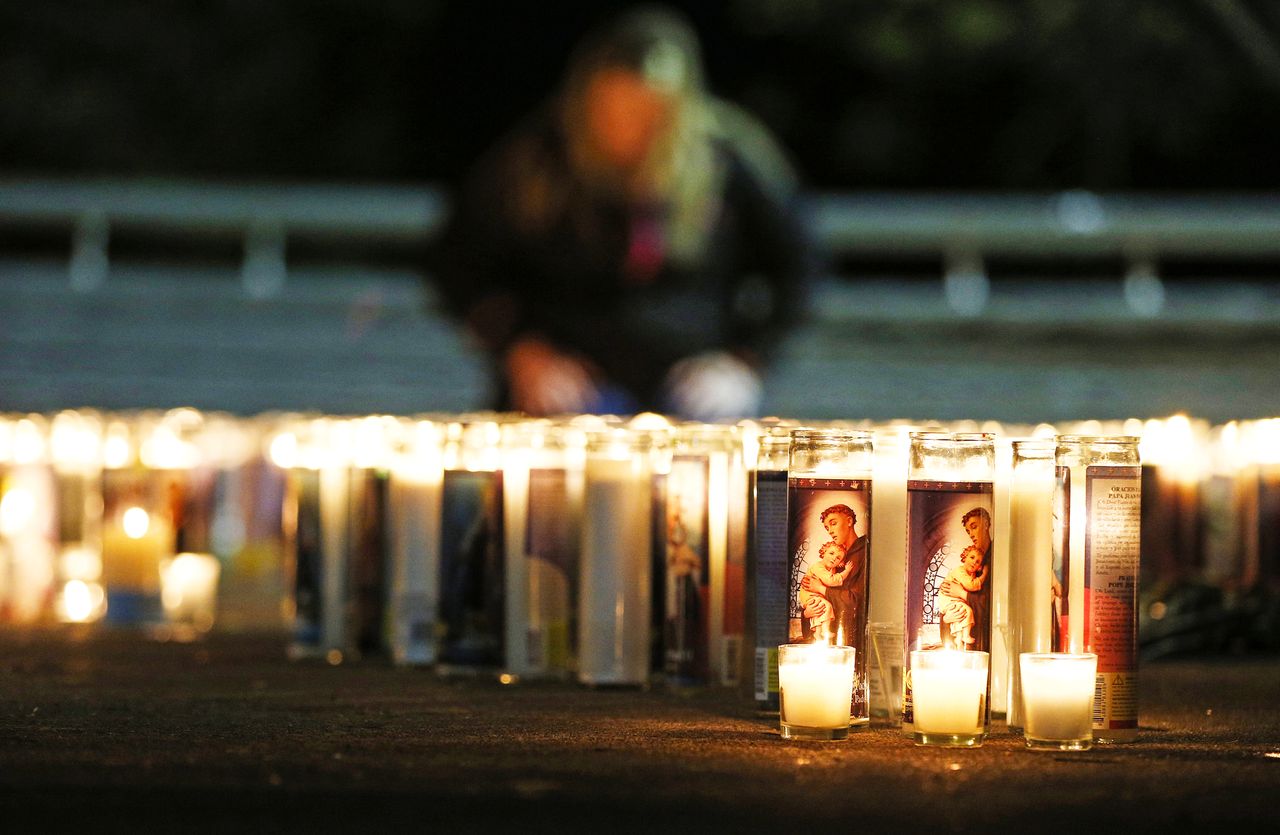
x=392 y=526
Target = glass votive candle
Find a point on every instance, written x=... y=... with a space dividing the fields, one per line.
x=948 y=692
x=1057 y=699
x=815 y=685
x=189 y=592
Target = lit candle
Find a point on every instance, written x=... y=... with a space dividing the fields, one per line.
x=1099 y=492
x=541 y=475
x=948 y=691
x=413 y=495
x=950 y=555
x=815 y=687
x=1057 y=699
x=614 y=606
x=189 y=592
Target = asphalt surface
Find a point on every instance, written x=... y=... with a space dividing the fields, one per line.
x=109 y=732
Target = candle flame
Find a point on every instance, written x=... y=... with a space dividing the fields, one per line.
x=17 y=510
x=135 y=522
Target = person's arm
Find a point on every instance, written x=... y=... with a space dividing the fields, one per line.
x=483 y=280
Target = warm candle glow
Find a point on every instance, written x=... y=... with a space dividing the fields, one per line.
x=81 y=602
x=1057 y=697
x=17 y=511
x=948 y=689
x=135 y=522
x=815 y=685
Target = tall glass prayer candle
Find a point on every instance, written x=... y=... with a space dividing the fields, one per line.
x=949 y=548
x=141 y=502
x=1030 y=558
x=368 y=556
x=238 y=531
x=829 y=546
x=316 y=524
x=413 y=530
x=27 y=521
x=74 y=447
x=1097 y=497
x=1261 y=569
x=542 y=496
x=694 y=510
x=768 y=566
x=615 y=594
x=733 y=647
x=888 y=543
x=472 y=558
x=1000 y=661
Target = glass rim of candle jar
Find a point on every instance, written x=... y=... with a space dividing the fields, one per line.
x=823 y=653
x=1036 y=444
x=950 y=652
x=694 y=436
x=975 y=438
x=1097 y=440
x=831 y=435
x=1066 y=656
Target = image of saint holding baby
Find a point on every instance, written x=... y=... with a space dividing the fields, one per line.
x=964 y=598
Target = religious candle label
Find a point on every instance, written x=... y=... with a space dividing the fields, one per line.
x=769 y=551
x=1060 y=616
x=368 y=567
x=550 y=536
x=686 y=558
x=734 y=625
x=1111 y=550
x=829 y=520
x=308 y=564
x=471 y=569
x=949 y=570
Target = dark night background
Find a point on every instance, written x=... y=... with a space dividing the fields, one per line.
x=901 y=94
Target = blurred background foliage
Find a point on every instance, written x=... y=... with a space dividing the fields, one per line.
x=969 y=94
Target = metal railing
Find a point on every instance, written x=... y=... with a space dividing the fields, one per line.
x=962 y=230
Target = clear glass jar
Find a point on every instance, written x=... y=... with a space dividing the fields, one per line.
x=829 y=546
x=767 y=564
x=615 y=569
x=700 y=643
x=950 y=553
x=1097 y=543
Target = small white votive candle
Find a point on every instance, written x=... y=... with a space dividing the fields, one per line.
x=189 y=592
x=1057 y=699
x=948 y=696
x=815 y=688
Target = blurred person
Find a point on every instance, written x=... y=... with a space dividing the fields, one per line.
x=635 y=245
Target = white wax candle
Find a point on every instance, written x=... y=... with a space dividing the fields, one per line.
x=335 y=539
x=815 y=686
x=1057 y=695
x=947 y=692
x=615 y=573
x=414 y=533
x=1079 y=514
x=889 y=533
x=717 y=554
x=1000 y=513
x=1030 y=567
x=515 y=510
x=189 y=589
